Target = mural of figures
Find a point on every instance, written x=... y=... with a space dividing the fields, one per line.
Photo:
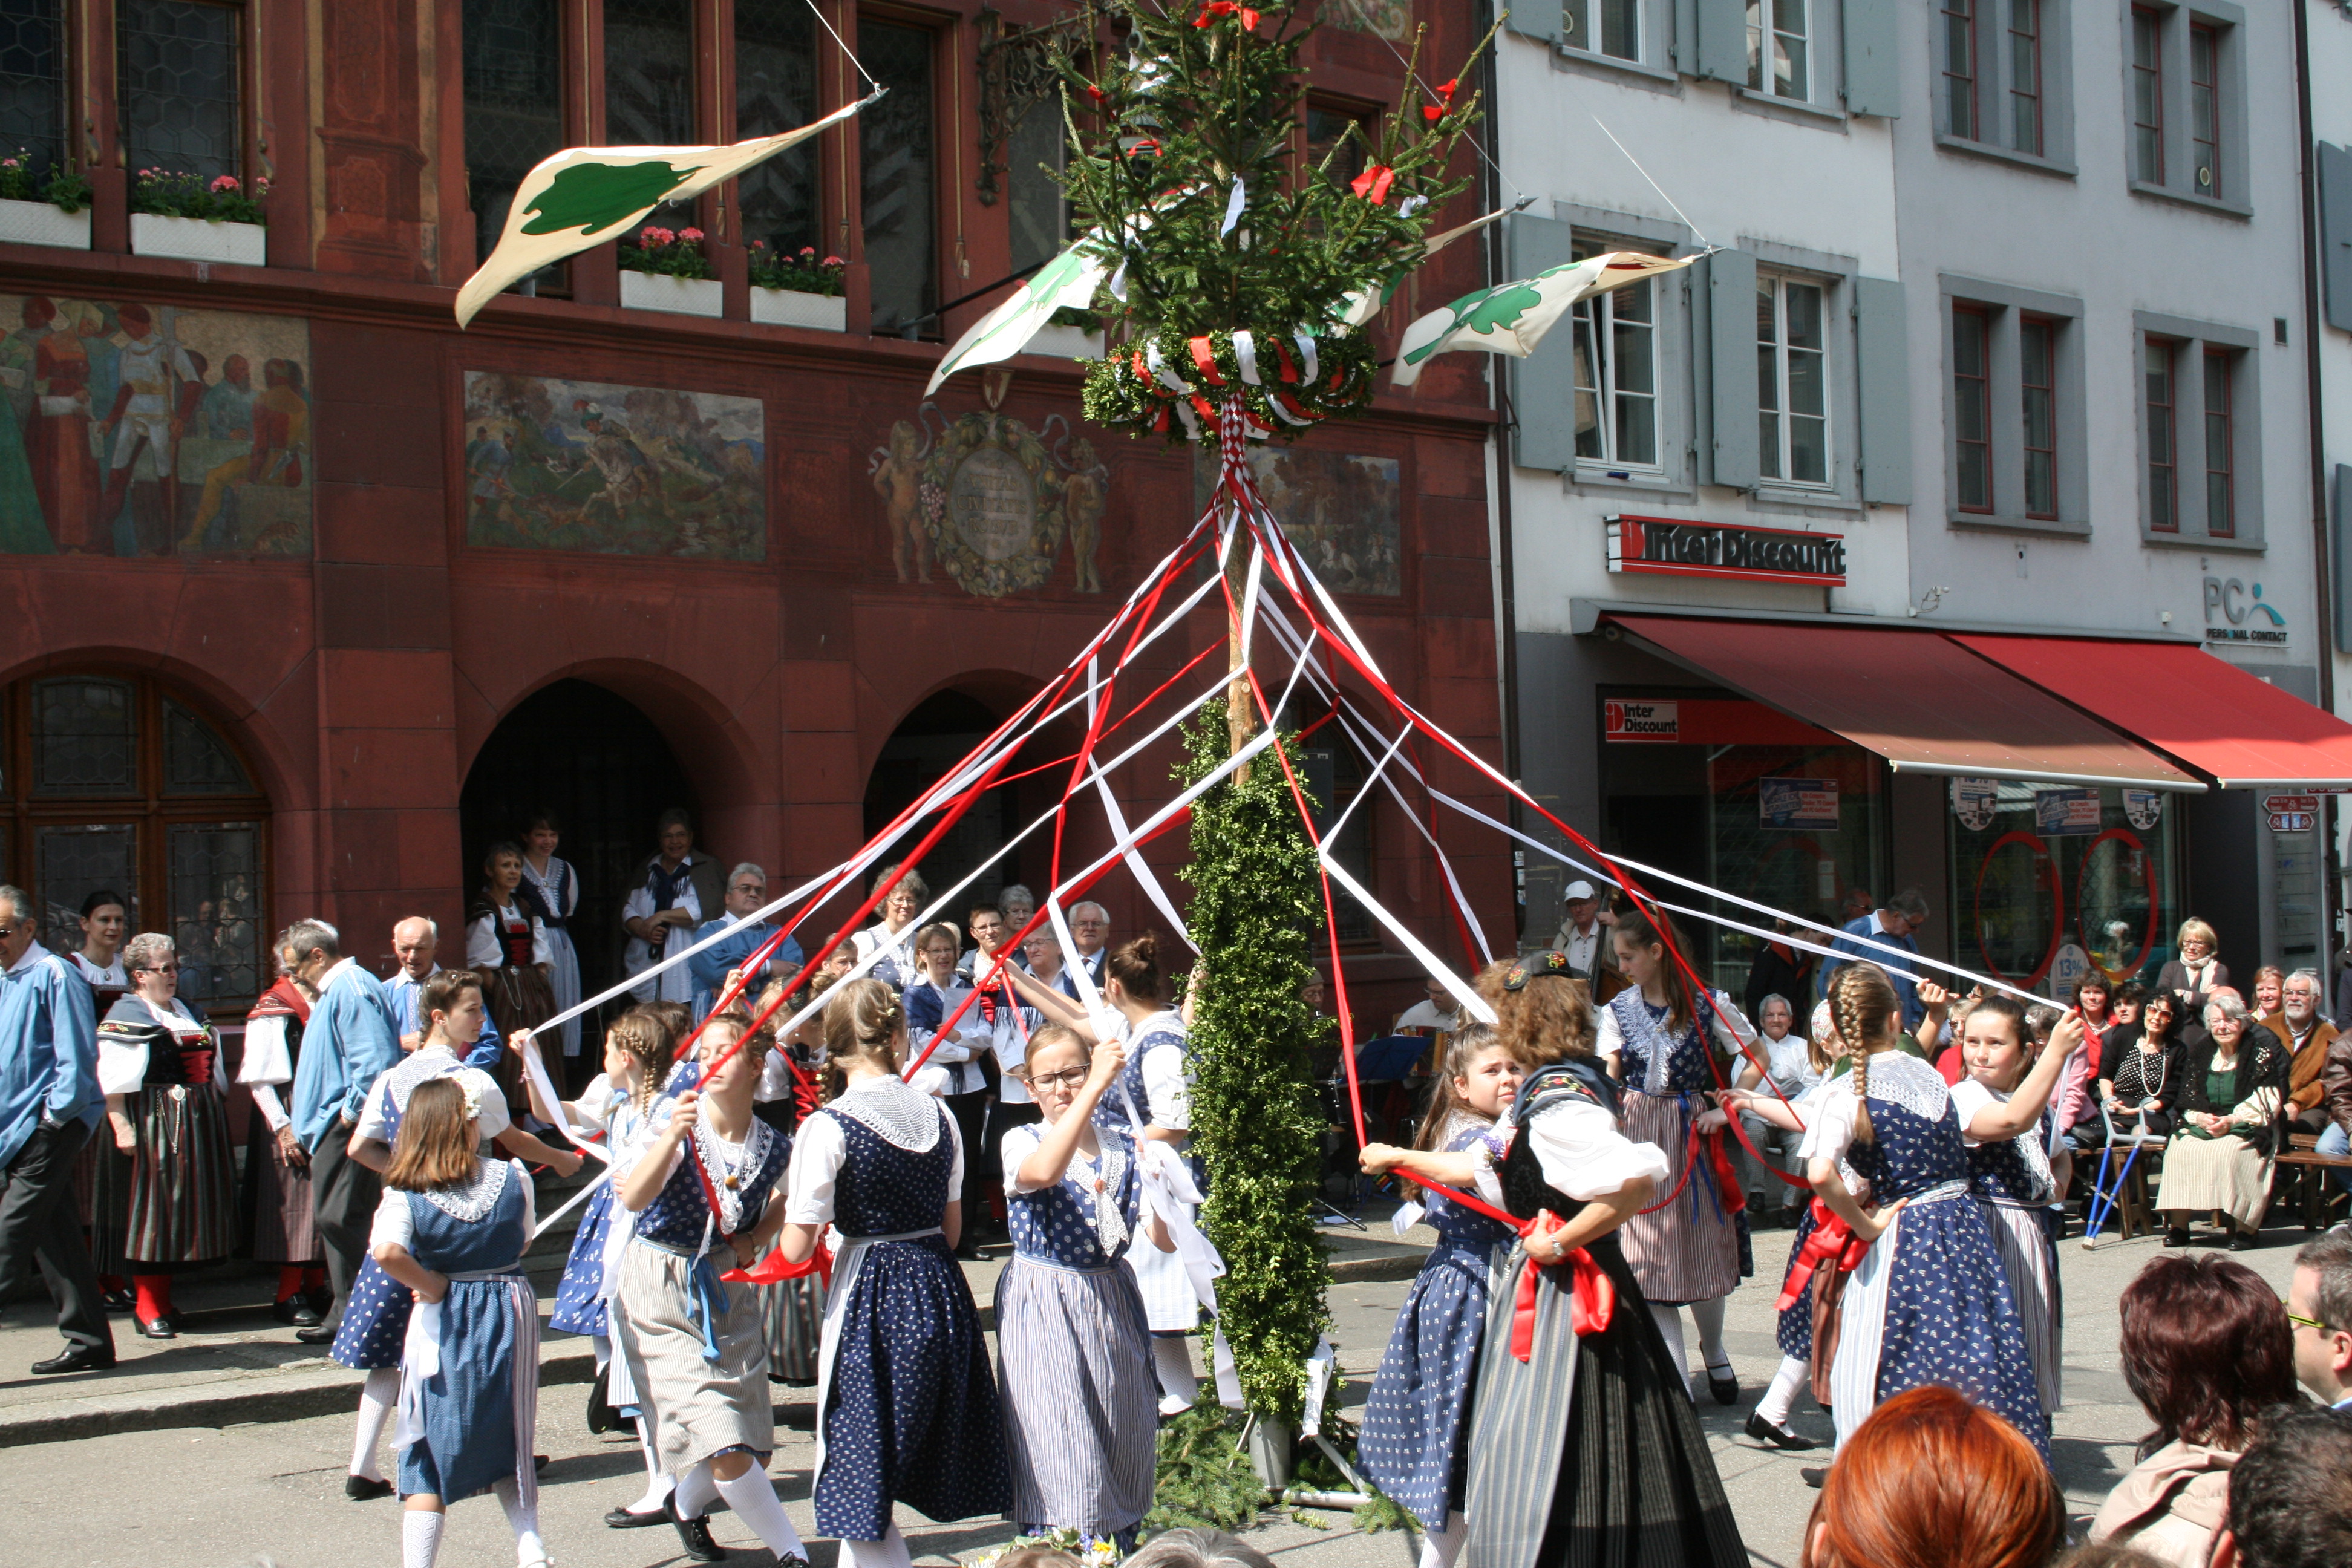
x=128 y=428
x=555 y=464
x=1341 y=511
x=988 y=499
x=1391 y=19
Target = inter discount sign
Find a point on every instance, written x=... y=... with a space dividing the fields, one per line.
x=1660 y=546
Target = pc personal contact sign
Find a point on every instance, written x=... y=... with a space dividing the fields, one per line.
x=1663 y=546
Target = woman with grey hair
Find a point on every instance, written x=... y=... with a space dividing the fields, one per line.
x=160 y=1067
x=894 y=932
x=2221 y=1155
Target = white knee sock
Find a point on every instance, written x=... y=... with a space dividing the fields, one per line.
x=658 y=1481
x=890 y=1551
x=1439 y=1548
x=1172 y=1358
x=602 y=1346
x=752 y=1496
x=1793 y=1375
x=1670 y=1324
x=378 y=1395
x=420 y=1537
x=698 y=1488
x=522 y=1518
x=1708 y=1316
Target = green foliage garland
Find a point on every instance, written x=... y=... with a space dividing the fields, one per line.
x=1256 y=1124
x=1124 y=389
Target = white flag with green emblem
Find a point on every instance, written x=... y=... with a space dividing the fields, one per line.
x=584 y=195
x=1065 y=283
x=1512 y=318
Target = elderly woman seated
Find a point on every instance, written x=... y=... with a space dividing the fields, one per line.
x=2225 y=1133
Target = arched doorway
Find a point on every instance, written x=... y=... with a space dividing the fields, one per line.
x=940 y=733
x=602 y=766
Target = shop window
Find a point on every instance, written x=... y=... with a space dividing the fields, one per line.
x=898 y=180
x=2200 y=431
x=177 y=78
x=775 y=92
x=1617 y=374
x=32 y=82
x=1336 y=775
x=1792 y=396
x=2054 y=881
x=514 y=82
x=112 y=782
x=1779 y=45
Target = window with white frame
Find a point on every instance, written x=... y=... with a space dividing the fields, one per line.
x=2001 y=83
x=1780 y=42
x=1616 y=357
x=1792 y=399
x=1612 y=27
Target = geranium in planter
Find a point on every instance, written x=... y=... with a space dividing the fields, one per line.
x=37 y=208
x=173 y=212
x=667 y=270
x=798 y=289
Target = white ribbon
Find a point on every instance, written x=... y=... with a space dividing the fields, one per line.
x=1159 y=367
x=420 y=1358
x=1245 y=351
x=1307 y=368
x=1234 y=205
x=1408 y=1215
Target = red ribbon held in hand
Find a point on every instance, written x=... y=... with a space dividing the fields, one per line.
x=1592 y=1298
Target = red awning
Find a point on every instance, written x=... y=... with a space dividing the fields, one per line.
x=1918 y=700
x=2197 y=707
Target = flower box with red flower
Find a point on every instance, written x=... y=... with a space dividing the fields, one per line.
x=797 y=288
x=667 y=270
x=42 y=205
x=173 y=212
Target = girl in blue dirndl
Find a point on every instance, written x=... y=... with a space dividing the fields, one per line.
x=452 y=1229
x=1929 y=1302
x=1416 y=1439
x=702 y=1191
x=1080 y=1428
x=907 y=1408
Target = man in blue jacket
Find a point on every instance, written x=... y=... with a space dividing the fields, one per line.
x=48 y=1105
x=747 y=889
x=350 y=1039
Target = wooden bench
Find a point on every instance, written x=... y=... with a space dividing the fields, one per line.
x=2311 y=1166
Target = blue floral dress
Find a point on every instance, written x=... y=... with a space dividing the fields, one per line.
x=1080 y=1398
x=2011 y=1178
x=1414 y=1441
x=1930 y=1302
x=580 y=1294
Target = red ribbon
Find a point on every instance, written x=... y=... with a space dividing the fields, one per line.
x=1832 y=1242
x=1373 y=184
x=773 y=1269
x=1727 y=1180
x=1282 y=353
x=1591 y=1297
x=1216 y=8
x=1205 y=357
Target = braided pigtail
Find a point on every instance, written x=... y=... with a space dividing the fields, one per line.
x=1862 y=1001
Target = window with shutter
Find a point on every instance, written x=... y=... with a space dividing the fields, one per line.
x=1543 y=384
x=2336 y=233
x=1732 y=360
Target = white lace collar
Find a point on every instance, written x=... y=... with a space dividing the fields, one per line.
x=1901 y=1079
x=893 y=1111
x=473 y=1202
x=1100 y=1182
x=728 y=1167
x=177 y=1018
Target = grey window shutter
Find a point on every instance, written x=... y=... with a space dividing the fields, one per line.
x=1723 y=40
x=2336 y=232
x=1731 y=355
x=1873 y=83
x=1543 y=384
x=2341 y=548
x=1882 y=378
x=1535 y=19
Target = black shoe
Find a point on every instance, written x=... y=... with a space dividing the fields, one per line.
x=1764 y=1432
x=2176 y=1237
x=695 y=1533
x=295 y=1312
x=155 y=1328
x=119 y=1300
x=1814 y=1475
x=358 y=1489
x=1724 y=1385
x=316 y=1334
x=2240 y=1241
x=538 y=1464
x=320 y=1297
x=178 y=1319
x=622 y=1518
x=77 y=1358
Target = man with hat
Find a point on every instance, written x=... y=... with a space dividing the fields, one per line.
x=1583 y=936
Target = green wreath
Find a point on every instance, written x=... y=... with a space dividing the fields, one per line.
x=1159 y=385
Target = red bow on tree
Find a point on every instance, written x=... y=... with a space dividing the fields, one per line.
x=1433 y=113
x=1373 y=184
x=1216 y=8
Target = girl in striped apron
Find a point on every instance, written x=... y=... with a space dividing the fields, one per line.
x=1414 y=1442
x=1658 y=1039
x=1929 y=1302
x=1585 y=1450
x=1999 y=1105
x=906 y=1407
x=703 y=1193
x=1076 y=1377
x=452 y=1229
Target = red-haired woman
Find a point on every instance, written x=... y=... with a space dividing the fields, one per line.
x=2205 y=1350
x=1934 y=1480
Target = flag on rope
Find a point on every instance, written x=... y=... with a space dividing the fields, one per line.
x=584 y=195
x=1366 y=303
x=1065 y=283
x=1512 y=318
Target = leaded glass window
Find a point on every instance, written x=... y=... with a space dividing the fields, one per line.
x=84 y=737
x=32 y=81
x=177 y=78
x=514 y=103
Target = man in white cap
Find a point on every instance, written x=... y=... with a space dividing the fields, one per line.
x=1584 y=934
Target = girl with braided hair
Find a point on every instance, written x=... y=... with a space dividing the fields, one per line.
x=906 y=1407
x=1669 y=1049
x=1929 y=1302
x=1584 y=1447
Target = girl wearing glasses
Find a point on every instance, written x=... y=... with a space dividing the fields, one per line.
x=1075 y=1371
x=169 y=1186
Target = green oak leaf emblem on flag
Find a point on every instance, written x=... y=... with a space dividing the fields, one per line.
x=582 y=196
x=1512 y=318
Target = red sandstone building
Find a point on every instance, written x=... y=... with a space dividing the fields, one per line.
x=311 y=595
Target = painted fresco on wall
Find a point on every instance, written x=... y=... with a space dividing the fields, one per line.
x=988 y=501
x=1391 y=19
x=1341 y=511
x=557 y=464
x=131 y=428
